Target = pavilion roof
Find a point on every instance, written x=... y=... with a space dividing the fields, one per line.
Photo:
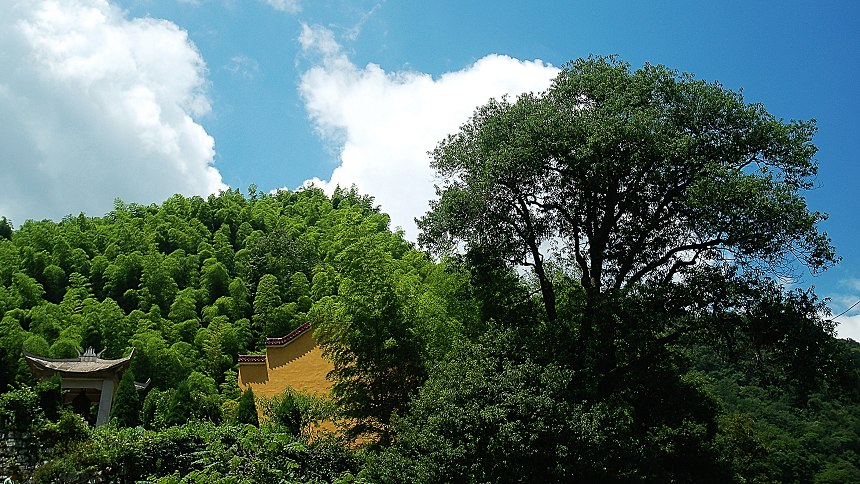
x=88 y=363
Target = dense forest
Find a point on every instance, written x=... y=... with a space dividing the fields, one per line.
x=596 y=297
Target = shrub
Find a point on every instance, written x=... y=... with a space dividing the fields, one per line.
x=20 y=409
x=247 y=411
x=296 y=411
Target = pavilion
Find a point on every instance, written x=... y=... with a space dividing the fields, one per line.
x=88 y=378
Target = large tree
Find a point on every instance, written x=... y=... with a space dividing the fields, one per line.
x=636 y=175
x=658 y=213
x=633 y=178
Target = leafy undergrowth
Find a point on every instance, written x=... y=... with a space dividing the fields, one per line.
x=200 y=452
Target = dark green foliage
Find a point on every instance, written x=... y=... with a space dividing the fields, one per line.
x=5 y=228
x=492 y=414
x=126 y=405
x=764 y=435
x=285 y=410
x=64 y=432
x=247 y=411
x=744 y=450
x=50 y=397
x=20 y=409
x=196 y=398
x=674 y=205
x=296 y=411
x=178 y=406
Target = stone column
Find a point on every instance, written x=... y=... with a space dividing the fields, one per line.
x=105 y=402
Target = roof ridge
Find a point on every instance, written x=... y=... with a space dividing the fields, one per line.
x=252 y=358
x=27 y=354
x=289 y=336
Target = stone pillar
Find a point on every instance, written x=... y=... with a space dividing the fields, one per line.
x=105 y=402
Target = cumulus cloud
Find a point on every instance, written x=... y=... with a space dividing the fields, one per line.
x=847 y=301
x=289 y=6
x=95 y=106
x=382 y=124
x=849 y=327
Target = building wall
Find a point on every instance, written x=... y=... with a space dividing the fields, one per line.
x=298 y=364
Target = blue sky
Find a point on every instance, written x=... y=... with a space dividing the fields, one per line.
x=139 y=99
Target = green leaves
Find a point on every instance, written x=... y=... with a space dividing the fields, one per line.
x=639 y=174
x=127 y=403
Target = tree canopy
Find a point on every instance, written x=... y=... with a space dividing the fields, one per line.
x=658 y=214
x=632 y=176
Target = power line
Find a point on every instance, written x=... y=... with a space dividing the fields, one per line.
x=843 y=312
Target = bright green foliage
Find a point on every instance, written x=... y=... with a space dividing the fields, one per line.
x=215 y=279
x=158 y=284
x=240 y=298
x=266 y=303
x=184 y=306
x=247 y=411
x=12 y=338
x=64 y=348
x=156 y=276
x=374 y=347
x=229 y=388
x=199 y=452
x=54 y=282
x=299 y=286
x=126 y=405
x=28 y=291
x=37 y=345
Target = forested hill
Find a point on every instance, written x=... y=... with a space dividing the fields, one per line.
x=193 y=282
x=189 y=283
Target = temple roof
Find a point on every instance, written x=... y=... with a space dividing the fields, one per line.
x=252 y=358
x=289 y=337
x=276 y=342
x=88 y=363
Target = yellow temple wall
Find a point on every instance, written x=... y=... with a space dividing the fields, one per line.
x=299 y=364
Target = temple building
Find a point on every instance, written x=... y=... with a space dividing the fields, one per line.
x=294 y=360
x=85 y=380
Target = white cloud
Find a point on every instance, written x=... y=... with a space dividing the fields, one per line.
x=849 y=327
x=321 y=40
x=384 y=123
x=290 y=6
x=95 y=106
x=353 y=32
x=847 y=302
x=243 y=66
